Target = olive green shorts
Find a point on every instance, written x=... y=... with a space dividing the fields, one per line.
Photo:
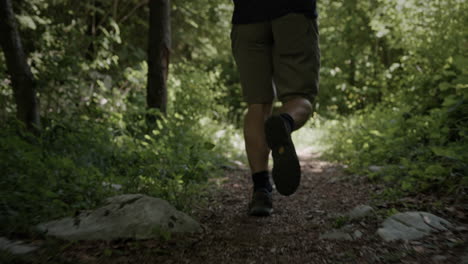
x=279 y=57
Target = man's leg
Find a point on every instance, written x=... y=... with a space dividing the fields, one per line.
x=296 y=63
x=252 y=49
x=278 y=128
x=257 y=154
x=254 y=135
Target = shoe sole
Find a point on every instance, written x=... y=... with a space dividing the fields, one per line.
x=286 y=168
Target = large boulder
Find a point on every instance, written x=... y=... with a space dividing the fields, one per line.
x=133 y=216
x=411 y=225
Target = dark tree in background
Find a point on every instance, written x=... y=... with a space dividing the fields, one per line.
x=95 y=19
x=22 y=79
x=158 y=53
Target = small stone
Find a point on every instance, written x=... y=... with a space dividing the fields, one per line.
x=419 y=249
x=333 y=180
x=337 y=235
x=439 y=259
x=360 y=211
x=16 y=247
x=357 y=234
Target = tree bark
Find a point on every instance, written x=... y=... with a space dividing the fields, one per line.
x=24 y=86
x=158 y=54
x=94 y=20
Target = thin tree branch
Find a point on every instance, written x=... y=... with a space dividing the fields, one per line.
x=143 y=3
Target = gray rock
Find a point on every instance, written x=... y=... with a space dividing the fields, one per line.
x=464 y=259
x=439 y=259
x=429 y=221
x=337 y=235
x=357 y=234
x=360 y=211
x=16 y=247
x=132 y=216
x=394 y=230
x=411 y=225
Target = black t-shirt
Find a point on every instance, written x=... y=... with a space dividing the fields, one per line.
x=253 y=11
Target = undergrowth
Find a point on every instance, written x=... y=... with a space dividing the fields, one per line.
x=410 y=152
x=103 y=149
x=72 y=165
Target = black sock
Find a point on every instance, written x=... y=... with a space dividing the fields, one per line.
x=261 y=180
x=288 y=120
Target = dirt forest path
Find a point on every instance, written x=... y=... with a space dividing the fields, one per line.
x=290 y=235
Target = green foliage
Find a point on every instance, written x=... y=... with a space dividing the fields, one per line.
x=41 y=178
x=393 y=76
x=417 y=152
x=92 y=92
x=88 y=58
x=78 y=51
x=374 y=51
x=340 y=221
x=417 y=129
x=353 y=57
x=200 y=29
x=69 y=166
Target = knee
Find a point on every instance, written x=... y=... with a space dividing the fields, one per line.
x=308 y=107
x=299 y=103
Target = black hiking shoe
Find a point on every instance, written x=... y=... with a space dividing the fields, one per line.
x=286 y=168
x=261 y=204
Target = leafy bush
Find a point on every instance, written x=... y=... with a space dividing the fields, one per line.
x=387 y=50
x=89 y=63
x=44 y=178
x=417 y=152
x=417 y=130
x=69 y=167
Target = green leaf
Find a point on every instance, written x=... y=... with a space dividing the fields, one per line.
x=376 y=133
x=209 y=146
x=446 y=152
x=26 y=22
x=460 y=61
x=445 y=86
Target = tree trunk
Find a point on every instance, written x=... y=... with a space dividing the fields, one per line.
x=94 y=20
x=158 y=54
x=22 y=79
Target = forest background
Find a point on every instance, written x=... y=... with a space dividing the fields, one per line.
x=393 y=95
